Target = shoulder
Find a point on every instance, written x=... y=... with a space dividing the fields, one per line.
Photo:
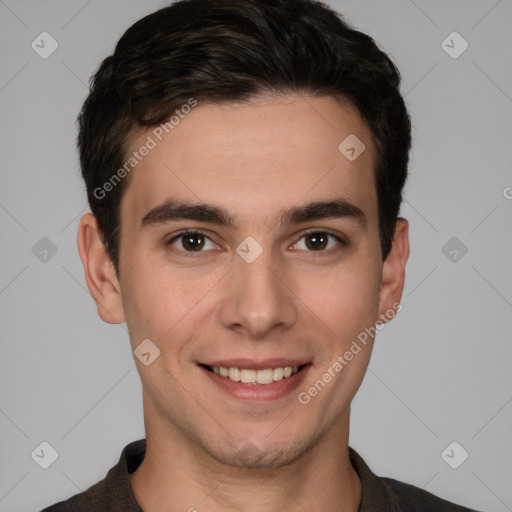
x=114 y=492
x=85 y=501
x=97 y=497
x=390 y=495
x=414 y=499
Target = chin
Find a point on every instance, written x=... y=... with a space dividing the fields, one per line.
x=264 y=455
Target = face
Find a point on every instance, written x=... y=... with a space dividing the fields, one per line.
x=264 y=278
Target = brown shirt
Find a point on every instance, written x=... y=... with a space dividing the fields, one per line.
x=114 y=493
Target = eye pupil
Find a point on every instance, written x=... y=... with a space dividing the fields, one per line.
x=193 y=241
x=318 y=240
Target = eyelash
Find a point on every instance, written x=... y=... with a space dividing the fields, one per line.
x=191 y=254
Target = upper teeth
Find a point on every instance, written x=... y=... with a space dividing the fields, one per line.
x=266 y=376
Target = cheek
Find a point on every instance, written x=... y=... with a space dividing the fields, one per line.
x=350 y=307
x=346 y=299
x=158 y=301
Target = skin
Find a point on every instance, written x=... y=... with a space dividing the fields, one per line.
x=206 y=449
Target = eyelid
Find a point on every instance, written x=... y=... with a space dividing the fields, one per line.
x=311 y=231
x=335 y=234
x=184 y=232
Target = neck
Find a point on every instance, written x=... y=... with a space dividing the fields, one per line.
x=177 y=475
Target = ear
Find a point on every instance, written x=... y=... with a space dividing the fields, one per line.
x=393 y=272
x=99 y=271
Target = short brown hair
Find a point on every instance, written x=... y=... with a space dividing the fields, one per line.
x=232 y=50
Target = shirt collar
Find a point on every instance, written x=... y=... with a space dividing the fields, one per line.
x=377 y=495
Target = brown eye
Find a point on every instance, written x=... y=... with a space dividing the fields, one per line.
x=193 y=242
x=189 y=242
x=317 y=240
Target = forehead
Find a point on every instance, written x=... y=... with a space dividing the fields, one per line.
x=255 y=159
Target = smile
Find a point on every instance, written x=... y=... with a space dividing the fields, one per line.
x=256 y=377
x=256 y=381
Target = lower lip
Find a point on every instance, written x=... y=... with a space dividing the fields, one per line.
x=258 y=393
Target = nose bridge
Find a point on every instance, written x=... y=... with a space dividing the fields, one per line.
x=258 y=300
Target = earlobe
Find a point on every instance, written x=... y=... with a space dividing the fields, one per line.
x=393 y=272
x=99 y=271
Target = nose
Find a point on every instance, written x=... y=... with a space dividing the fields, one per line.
x=258 y=297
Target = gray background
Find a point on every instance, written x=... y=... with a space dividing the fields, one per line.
x=440 y=372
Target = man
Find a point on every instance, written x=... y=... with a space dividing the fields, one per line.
x=244 y=163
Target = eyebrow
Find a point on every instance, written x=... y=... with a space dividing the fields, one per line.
x=175 y=210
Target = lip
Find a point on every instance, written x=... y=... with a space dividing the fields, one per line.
x=257 y=394
x=262 y=364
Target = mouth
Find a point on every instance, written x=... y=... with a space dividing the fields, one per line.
x=255 y=376
x=253 y=382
